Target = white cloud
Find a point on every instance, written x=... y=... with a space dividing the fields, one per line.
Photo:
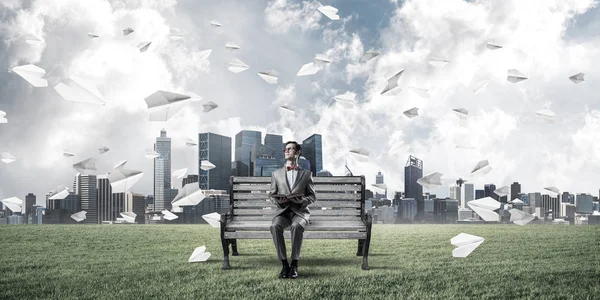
x=283 y=15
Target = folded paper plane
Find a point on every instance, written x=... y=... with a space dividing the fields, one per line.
x=465 y=244
x=169 y=215
x=121 y=179
x=392 y=83
x=237 y=66
x=520 y=217
x=189 y=195
x=86 y=164
x=330 y=12
x=486 y=208
x=199 y=255
x=431 y=181
x=577 y=78
x=515 y=76
x=206 y=165
x=79 y=216
x=15 y=204
x=411 y=113
x=214 y=219
x=270 y=76
x=32 y=74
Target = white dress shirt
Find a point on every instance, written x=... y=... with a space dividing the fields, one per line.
x=291 y=177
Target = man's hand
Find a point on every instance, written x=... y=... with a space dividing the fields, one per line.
x=297 y=200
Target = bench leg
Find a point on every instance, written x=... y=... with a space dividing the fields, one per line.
x=234 y=248
x=225 y=244
x=365 y=264
x=361 y=244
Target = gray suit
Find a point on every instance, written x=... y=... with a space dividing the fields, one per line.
x=295 y=215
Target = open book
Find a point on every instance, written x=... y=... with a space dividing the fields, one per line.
x=286 y=198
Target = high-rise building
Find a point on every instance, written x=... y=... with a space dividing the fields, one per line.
x=274 y=142
x=379 y=180
x=216 y=149
x=312 y=149
x=135 y=203
x=479 y=194
x=29 y=203
x=190 y=179
x=412 y=172
x=454 y=192
x=162 y=170
x=105 y=199
x=550 y=204
x=488 y=191
x=263 y=161
x=89 y=198
x=535 y=200
x=584 y=203
x=244 y=141
x=304 y=163
x=515 y=190
x=467 y=194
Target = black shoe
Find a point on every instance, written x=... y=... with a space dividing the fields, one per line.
x=293 y=272
x=284 y=272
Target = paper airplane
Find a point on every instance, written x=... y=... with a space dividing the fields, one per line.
x=577 y=78
x=381 y=186
x=423 y=93
x=520 y=217
x=103 y=150
x=7 y=158
x=546 y=114
x=3 y=120
x=431 y=181
x=80 y=216
x=163 y=105
x=208 y=106
x=236 y=66
x=330 y=12
x=231 y=46
x=287 y=108
x=492 y=46
x=206 y=165
x=485 y=208
x=346 y=100
x=169 y=215
x=465 y=146
x=190 y=142
x=308 y=69
x=482 y=167
x=151 y=154
x=553 y=190
x=143 y=46
x=204 y=54
x=179 y=173
x=461 y=112
x=189 y=195
x=479 y=85
x=392 y=83
x=370 y=55
x=214 y=219
x=67 y=153
x=199 y=255
x=321 y=60
x=517 y=201
x=174 y=34
x=59 y=193
x=360 y=152
x=411 y=113
x=121 y=179
x=270 y=76
x=127 y=31
x=31 y=39
x=87 y=164
x=501 y=192
x=215 y=23
x=120 y=164
x=129 y=216
x=438 y=62
x=466 y=243
x=515 y=76
x=32 y=74
x=15 y=204
x=92 y=35
x=79 y=89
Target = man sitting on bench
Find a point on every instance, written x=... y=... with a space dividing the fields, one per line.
x=292 y=190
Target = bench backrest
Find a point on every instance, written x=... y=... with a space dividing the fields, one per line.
x=338 y=198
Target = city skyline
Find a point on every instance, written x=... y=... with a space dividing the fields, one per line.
x=548 y=47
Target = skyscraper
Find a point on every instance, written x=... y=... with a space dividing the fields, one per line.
x=454 y=192
x=479 y=194
x=89 y=197
x=515 y=190
x=29 y=203
x=105 y=201
x=162 y=170
x=488 y=191
x=216 y=149
x=467 y=194
x=379 y=180
x=244 y=141
x=263 y=160
x=312 y=150
x=413 y=171
x=274 y=142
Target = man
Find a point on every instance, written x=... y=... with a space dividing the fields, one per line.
x=292 y=189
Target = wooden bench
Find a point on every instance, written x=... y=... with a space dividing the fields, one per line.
x=338 y=213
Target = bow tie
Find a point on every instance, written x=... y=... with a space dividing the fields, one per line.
x=291 y=168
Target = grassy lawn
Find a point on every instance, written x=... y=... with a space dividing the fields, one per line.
x=407 y=262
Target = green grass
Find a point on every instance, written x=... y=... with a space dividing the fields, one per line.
x=407 y=262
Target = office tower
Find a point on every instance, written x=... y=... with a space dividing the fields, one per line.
x=479 y=194
x=584 y=203
x=105 y=201
x=312 y=150
x=216 y=149
x=412 y=172
x=170 y=194
x=467 y=194
x=488 y=191
x=454 y=191
x=262 y=161
x=524 y=197
x=515 y=190
x=304 y=163
x=135 y=203
x=89 y=198
x=244 y=141
x=408 y=209
x=29 y=203
x=535 y=200
x=76 y=183
x=150 y=201
x=189 y=179
x=162 y=170
x=565 y=197
x=550 y=204
x=274 y=142
x=379 y=180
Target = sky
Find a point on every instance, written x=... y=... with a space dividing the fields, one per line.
x=547 y=40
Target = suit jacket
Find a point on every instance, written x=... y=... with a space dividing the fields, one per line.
x=303 y=185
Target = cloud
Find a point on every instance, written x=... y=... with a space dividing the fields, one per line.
x=282 y=15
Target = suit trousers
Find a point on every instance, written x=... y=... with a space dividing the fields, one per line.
x=281 y=222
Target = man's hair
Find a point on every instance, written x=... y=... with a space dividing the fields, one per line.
x=296 y=146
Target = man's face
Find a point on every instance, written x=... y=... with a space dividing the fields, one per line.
x=290 y=151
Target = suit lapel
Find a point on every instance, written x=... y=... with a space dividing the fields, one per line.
x=298 y=177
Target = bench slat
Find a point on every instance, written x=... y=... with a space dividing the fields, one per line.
x=306 y=235
x=318 y=187
x=314 y=212
x=316 y=179
x=313 y=226
x=320 y=196
x=312 y=218
x=318 y=204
